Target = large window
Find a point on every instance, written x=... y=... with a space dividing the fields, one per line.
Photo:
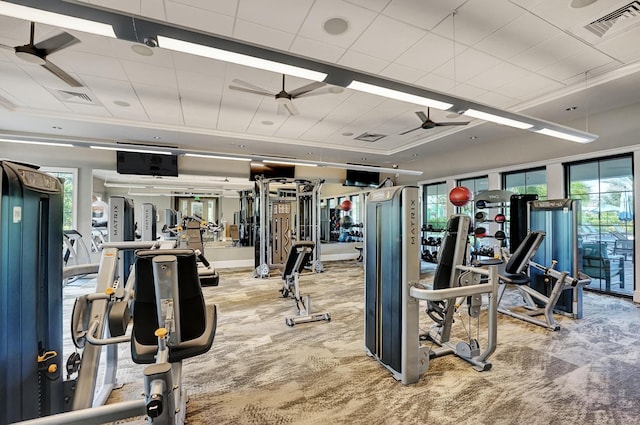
x=532 y=181
x=605 y=189
x=68 y=177
x=434 y=204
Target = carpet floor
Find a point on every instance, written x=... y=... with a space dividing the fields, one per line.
x=260 y=371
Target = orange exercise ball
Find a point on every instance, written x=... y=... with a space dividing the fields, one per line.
x=346 y=205
x=460 y=196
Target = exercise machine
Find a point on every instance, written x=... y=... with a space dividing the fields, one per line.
x=393 y=289
x=171 y=323
x=294 y=213
x=149 y=222
x=537 y=307
x=30 y=293
x=299 y=256
x=558 y=219
x=121 y=228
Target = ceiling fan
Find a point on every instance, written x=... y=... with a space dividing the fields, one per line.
x=427 y=124
x=283 y=98
x=37 y=53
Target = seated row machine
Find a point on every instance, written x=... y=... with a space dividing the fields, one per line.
x=299 y=256
x=535 y=303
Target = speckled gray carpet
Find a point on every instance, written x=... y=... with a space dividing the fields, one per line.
x=260 y=371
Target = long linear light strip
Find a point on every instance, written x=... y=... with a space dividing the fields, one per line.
x=398 y=95
x=65 y=145
x=232 y=158
x=269 y=161
x=115 y=148
x=55 y=19
x=237 y=58
x=497 y=119
x=561 y=135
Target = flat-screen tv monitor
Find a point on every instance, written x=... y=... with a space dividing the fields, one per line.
x=147 y=164
x=362 y=178
x=271 y=171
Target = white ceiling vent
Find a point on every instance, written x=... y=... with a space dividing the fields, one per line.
x=616 y=22
x=73 y=96
x=370 y=137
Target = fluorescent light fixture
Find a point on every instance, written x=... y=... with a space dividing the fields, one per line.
x=497 y=119
x=233 y=158
x=238 y=58
x=398 y=95
x=124 y=185
x=566 y=136
x=268 y=161
x=116 y=148
x=55 y=19
x=64 y=145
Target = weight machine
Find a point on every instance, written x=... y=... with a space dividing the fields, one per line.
x=393 y=289
x=291 y=214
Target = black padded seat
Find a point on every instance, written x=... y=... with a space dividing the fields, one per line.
x=515 y=271
x=296 y=247
x=197 y=320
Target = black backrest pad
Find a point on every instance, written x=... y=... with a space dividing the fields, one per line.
x=446 y=252
x=525 y=251
x=298 y=247
x=192 y=308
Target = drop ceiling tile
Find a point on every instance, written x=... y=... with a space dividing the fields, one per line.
x=227 y=7
x=477 y=19
x=257 y=34
x=467 y=65
x=496 y=100
x=283 y=15
x=358 y=18
x=129 y=6
x=529 y=87
x=375 y=5
x=150 y=74
x=435 y=82
x=430 y=52
x=108 y=91
x=625 y=48
x=160 y=102
x=375 y=40
x=199 y=19
x=587 y=59
x=566 y=16
x=200 y=95
x=420 y=14
x=319 y=50
x=91 y=65
x=518 y=36
x=548 y=52
x=497 y=76
x=153 y=9
x=466 y=91
x=399 y=72
x=356 y=60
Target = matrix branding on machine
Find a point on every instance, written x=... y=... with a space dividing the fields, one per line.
x=115 y=225
x=413 y=221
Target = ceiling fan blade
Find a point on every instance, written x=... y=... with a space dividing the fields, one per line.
x=423 y=117
x=291 y=107
x=409 y=131
x=252 y=87
x=4 y=46
x=250 y=91
x=57 y=42
x=445 y=124
x=301 y=91
x=61 y=74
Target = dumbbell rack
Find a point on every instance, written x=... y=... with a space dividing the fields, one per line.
x=492 y=203
x=430 y=243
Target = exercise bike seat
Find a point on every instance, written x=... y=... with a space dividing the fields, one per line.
x=197 y=320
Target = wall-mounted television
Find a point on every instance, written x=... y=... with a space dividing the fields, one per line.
x=271 y=171
x=147 y=164
x=362 y=178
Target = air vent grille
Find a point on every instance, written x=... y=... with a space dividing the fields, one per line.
x=370 y=137
x=601 y=26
